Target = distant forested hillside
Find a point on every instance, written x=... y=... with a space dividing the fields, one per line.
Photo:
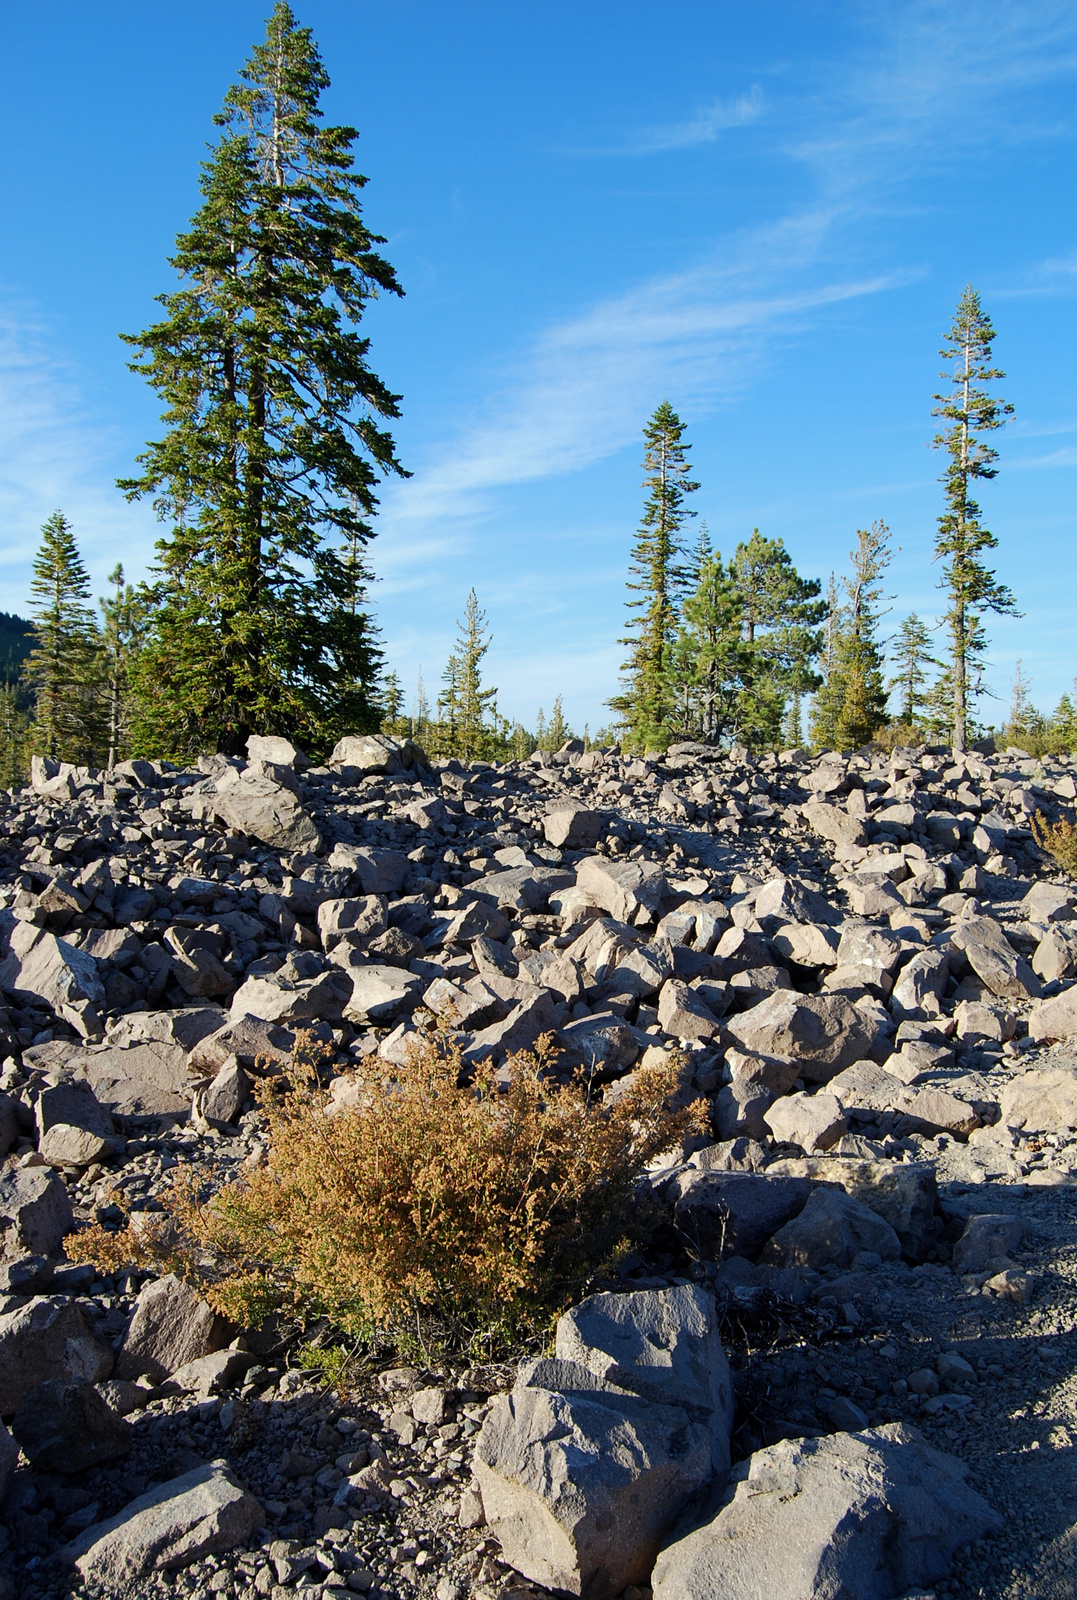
x=16 y=636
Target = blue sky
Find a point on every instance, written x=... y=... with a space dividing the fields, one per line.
x=763 y=213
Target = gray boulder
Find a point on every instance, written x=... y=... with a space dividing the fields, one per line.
x=383 y=993
x=74 y=1128
x=360 y=754
x=39 y=966
x=917 y=994
x=904 y=1194
x=863 y=1516
x=623 y=888
x=253 y=804
x=735 y=1213
x=581 y=1480
x=35 y=1211
x=663 y=1345
x=48 y=1338
x=993 y=959
x=202 y=1513
x=1042 y=1100
x=171 y=1326
x=831 y=1231
x=821 y=1034
x=987 y=1238
x=573 y=828
x=65 y=1426
x=278 y=752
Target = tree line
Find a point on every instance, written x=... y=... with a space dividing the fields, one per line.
x=255 y=617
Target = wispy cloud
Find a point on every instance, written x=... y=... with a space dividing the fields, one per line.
x=702 y=127
x=53 y=454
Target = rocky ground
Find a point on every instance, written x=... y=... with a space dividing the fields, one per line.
x=867 y=964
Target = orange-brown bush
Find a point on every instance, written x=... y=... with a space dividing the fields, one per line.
x=1059 y=839
x=460 y=1205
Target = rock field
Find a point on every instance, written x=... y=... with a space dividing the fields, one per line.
x=846 y=1364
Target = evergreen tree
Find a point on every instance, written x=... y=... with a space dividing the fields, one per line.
x=393 y=721
x=782 y=617
x=558 y=733
x=12 y=739
x=63 y=666
x=656 y=579
x=850 y=707
x=420 y=722
x=971 y=588
x=711 y=664
x=793 y=727
x=911 y=655
x=521 y=743
x=273 y=447
x=1064 y=723
x=468 y=711
x=541 y=741
x=119 y=633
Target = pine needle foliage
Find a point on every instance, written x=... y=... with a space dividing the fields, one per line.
x=850 y=707
x=62 y=668
x=911 y=655
x=1059 y=839
x=971 y=411
x=655 y=581
x=437 y=1198
x=267 y=470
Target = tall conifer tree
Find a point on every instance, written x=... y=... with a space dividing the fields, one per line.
x=656 y=579
x=911 y=655
x=782 y=618
x=63 y=666
x=971 y=411
x=267 y=470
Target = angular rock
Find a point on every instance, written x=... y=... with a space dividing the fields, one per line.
x=171 y=1326
x=1041 y=1101
x=623 y=888
x=573 y=828
x=871 y=896
x=986 y=1238
x=35 y=1211
x=279 y=752
x=920 y=984
x=806 y=944
x=39 y=966
x=1055 y=1019
x=833 y=823
x=683 y=1014
x=903 y=1194
x=820 y=1033
x=581 y=1481
x=194 y=965
x=65 y=1426
x=735 y=1213
x=224 y=1098
x=863 y=1516
x=813 y=1121
x=204 y=1512
x=246 y=1038
x=213 y=1373
x=265 y=810
x=74 y=1128
x=359 y=755
x=661 y=1344
x=523 y=1026
x=48 y=1338
x=830 y=1231
x=280 y=998
x=993 y=959
x=383 y=993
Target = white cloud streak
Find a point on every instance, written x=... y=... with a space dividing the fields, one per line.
x=703 y=127
x=54 y=455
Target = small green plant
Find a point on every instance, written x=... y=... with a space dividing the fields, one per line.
x=1059 y=839
x=439 y=1204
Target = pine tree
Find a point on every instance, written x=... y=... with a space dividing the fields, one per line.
x=467 y=711
x=656 y=578
x=420 y=722
x=393 y=721
x=793 y=726
x=273 y=447
x=541 y=741
x=63 y=666
x=12 y=739
x=782 y=629
x=961 y=540
x=1064 y=723
x=119 y=634
x=559 y=732
x=711 y=664
x=911 y=655
x=850 y=706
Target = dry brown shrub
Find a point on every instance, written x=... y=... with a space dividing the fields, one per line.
x=442 y=1198
x=1059 y=839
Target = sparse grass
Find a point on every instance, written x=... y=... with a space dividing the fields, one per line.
x=1059 y=839
x=441 y=1206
